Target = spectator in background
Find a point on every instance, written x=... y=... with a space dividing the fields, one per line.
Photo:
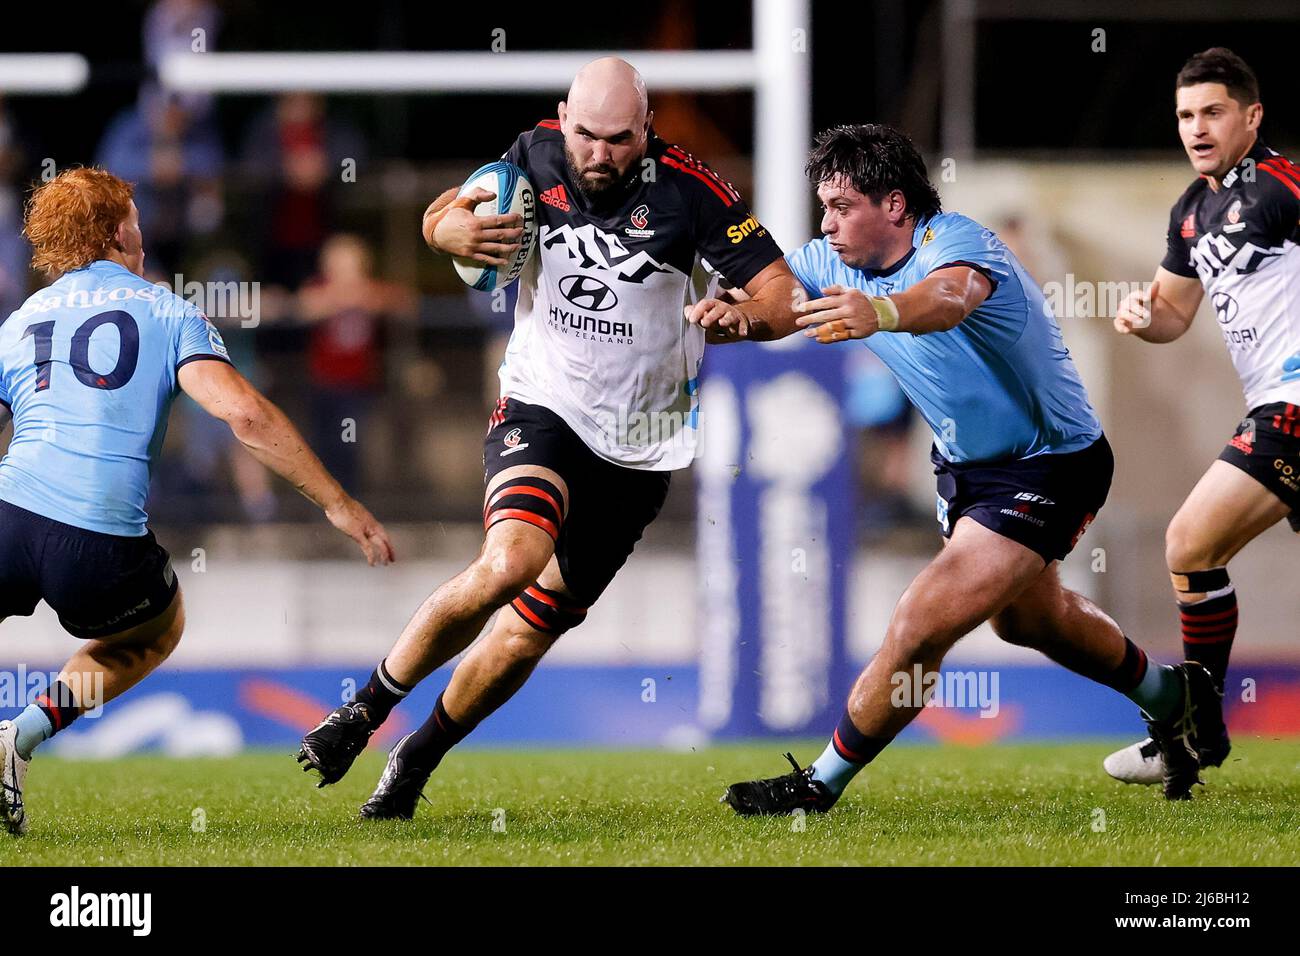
x=347 y=309
x=175 y=159
x=210 y=453
x=181 y=26
x=296 y=155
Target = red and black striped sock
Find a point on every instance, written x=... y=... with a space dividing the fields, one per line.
x=430 y=743
x=59 y=705
x=853 y=745
x=1209 y=627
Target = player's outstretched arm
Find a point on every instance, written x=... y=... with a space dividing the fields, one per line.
x=939 y=302
x=1162 y=312
x=271 y=438
x=451 y=227
x=761 y=312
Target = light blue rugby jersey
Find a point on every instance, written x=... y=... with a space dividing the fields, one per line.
x=1001 y=385
x=88 y=367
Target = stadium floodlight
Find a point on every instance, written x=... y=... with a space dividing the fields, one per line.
x=777 y=69
x=43 y=72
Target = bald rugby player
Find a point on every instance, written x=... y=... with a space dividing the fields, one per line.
x=598 y=405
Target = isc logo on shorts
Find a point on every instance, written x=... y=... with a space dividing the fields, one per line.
x=1032 y=498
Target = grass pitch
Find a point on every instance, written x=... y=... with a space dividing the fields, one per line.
x=918 y=805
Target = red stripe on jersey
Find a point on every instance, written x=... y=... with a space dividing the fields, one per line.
x=528 y=516
x=1282 y=178
x=704 y=168
x=1286 y=162
x=1282 y=165
x=669 y=161
x=549 y=124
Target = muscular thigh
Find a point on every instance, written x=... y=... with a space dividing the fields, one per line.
x=501 y=478
x=533 y=494
x=527 y=467
x=1266 y=446
x=171 y=621
x=1225 y=511
x=1035 y=610
x=977 y=574
x=520 y=623
x=605 y=507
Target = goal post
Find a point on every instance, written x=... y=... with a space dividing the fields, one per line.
x=777 y=70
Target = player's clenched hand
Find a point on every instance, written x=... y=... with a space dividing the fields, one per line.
x=456 y=231
x=725 y=320
x=354 y=520
x=1135 y=311
x=840 y=314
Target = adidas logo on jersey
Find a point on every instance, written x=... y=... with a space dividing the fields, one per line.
x=557 y=197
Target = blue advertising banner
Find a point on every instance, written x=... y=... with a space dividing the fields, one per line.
x=774 y=539
x=221 y=712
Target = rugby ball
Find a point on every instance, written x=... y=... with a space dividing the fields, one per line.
x=514 y=194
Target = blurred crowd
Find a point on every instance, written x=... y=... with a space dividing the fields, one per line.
x=265 y=238
x=387 y=371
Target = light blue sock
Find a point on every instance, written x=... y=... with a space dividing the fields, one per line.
x=1160 y=692
x=834 y=771
x=34 y=728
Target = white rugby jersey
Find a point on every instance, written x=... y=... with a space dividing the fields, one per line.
x=600 y=337
x=1241 y=243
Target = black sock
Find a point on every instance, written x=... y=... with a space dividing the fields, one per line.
x=59 y=705
x=430 y=743
x=853 y=745
x=381 y=694
x=1208 y=630
x=1126 y=677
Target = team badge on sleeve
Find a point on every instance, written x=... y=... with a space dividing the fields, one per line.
x=215 y=340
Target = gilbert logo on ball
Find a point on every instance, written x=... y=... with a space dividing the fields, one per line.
x=514 y=194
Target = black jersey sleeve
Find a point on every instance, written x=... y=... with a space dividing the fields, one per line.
x=518 y=152
x=1279 y=201
x=1178 y=255
x=727 y=235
